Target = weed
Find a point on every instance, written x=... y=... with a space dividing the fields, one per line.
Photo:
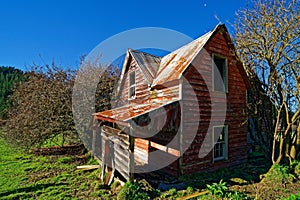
x=92 y=161
x=294 y=196
x=221 y=190
x=218 y=189
x=296 y=166
x=57 y=140
x=101 y=193
x=279 y=173
x=235 y=195
x=132 y=191
x=189 y=190
x=172 y=192
x=115 y=185
x=65 y=159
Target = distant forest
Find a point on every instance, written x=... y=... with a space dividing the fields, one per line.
x=9 y=76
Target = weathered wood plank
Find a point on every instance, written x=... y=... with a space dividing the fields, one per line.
x=88 y=167
x=121 y=164
x=166 y=149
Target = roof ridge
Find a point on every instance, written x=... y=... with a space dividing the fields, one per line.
x=139 y=51
x=176 y=58
x=198 y=38
x=147 y=62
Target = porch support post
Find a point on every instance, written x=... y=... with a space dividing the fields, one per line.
x=180 y=171
x=94 y=137
x=131 y=154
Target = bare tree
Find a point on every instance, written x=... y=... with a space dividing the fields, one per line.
x=41 y=108
x=267 y=40
x=92 y=92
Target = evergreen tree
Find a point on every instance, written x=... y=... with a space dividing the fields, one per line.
x=9 y=76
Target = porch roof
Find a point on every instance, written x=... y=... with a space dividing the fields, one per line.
x=124 y=113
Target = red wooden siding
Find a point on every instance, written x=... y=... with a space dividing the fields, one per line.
x=236 y=104
x=184 y=82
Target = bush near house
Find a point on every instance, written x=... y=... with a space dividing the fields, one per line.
x=41 y=106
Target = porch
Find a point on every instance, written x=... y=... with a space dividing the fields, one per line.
x=116 y=150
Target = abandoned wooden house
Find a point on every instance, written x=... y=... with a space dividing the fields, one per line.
x=135 y=138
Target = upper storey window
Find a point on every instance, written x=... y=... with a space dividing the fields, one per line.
x=220 y=73
x=132 y=84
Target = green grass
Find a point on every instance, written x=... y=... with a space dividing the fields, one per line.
x=25 y=176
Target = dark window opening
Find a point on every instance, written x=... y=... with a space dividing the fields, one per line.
x=131 y=94
x=220 y=74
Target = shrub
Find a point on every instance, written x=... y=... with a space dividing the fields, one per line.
x=294 y=196
x=280 y=173
x=41 y=108
x=235 y=195
x=218 y=189
x=132 y=190
x=221 y=190
x=297 y=168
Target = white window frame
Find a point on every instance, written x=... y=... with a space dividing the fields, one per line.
x=131 y=86
x=217 y=143
x=225 y=82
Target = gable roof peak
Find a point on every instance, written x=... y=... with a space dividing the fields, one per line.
x=142 y=52
x=175 y=63
x=148 y=63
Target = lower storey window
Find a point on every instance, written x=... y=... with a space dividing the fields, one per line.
x=220 y=142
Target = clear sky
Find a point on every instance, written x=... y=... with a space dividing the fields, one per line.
x=38 y=31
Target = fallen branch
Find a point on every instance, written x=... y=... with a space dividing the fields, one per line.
x=194 y=195
x=88 y=167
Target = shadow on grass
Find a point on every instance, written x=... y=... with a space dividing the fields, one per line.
x=244 y=174
x=32 y=188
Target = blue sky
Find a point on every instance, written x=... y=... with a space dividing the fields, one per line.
x=38 y=31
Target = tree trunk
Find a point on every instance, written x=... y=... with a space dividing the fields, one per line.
x=280 y=151
x=295 y=144
x=298 y=142
x=275 y=136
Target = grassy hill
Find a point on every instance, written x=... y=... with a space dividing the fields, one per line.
x=26 y=176
x=30 y=176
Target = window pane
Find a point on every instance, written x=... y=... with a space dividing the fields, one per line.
x=222 y=135
x=220 y=64
x=219 y=74
x=220 y=142
x=219 y=134
x=221 y=150
x=132 y=78
x=131 y=92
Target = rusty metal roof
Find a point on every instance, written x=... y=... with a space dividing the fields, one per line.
x=148 y=63
x=159 y=71
x=174 y=64
x=130 y=111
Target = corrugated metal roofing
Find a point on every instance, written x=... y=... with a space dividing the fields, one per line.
x=148 y=63
x=130 y=111
x=158 y=71
x=174 y=64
